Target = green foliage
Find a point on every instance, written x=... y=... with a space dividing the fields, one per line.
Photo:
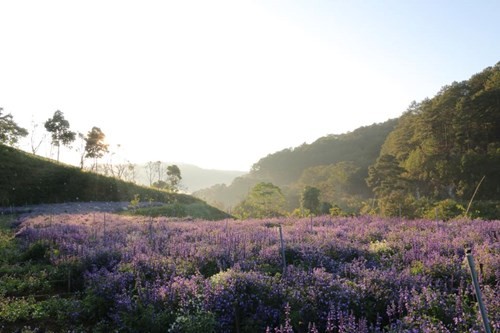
x=14 y=310
x=24 y=309
x=336 y=164
x=94 y=306
x=200 y=321
x=58 y=126
x=417 y=268
x=10 y=132
x=8 y=244
x=446 y=144
x=146 y=318
x=380 y=248
x=134 y=203
x=361 y=147
x=445 y=210
x=37 y=251
x=440 y=150
x=264 y=200
x=174 y=177
x=392 y=204
x=173 y=180
x=325 y=208
x=301 y=212
x=24 y=273
x=488 y=210
x=336 y=211
x=27 y=179
x=197 y=210
x=338 y=182
x=385 y=176
x=94 y=145
x=160 y=184
x=310 y=199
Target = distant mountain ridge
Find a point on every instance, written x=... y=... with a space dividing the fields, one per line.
x=194 y=177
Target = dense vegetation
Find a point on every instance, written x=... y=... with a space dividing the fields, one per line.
x=442 y=147
x=26 y=179
x=103 y=273
x=430 y=160
x=289 y=168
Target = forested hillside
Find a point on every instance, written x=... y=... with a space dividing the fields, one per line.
x=429 y=162
x=360 y=146
x=326 y=158
x=443 y=147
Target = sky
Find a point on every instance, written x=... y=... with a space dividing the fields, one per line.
x=221 y=84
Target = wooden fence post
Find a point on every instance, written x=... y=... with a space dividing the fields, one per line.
x=282 y=249
x=475 y=281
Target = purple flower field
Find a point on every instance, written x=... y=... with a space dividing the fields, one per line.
x=363 y=274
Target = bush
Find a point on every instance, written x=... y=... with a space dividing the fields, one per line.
x=488 y=210
x=145 y=318
x=445 y=210
x=36 y=252
x=201 y=321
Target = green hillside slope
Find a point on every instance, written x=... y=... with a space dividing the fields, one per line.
x=26 y=179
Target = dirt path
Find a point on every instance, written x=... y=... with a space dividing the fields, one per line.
x=70 y=207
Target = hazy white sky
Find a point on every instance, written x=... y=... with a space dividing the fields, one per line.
x=221 y=84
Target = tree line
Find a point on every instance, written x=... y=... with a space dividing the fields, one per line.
x=92 y=146
x=441 y=150
x=61 y=135
x=440 y=159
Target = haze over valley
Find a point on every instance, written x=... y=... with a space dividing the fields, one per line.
x=250 y=166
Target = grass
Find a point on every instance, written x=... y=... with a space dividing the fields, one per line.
x=26 y=179
x=29 y=179
x=194 y=210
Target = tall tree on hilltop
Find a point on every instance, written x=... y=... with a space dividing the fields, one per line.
x=59 y=129
x=158 y=171
x=174 y=177
x=150 y=172
x=9 y=130
x=95 y=147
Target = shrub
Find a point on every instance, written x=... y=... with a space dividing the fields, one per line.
x=445 y=210
x=36 y=252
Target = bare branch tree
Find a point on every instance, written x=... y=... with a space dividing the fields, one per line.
x=35 y=140
x=81 y=148
x=131 y=173
x=150 y=172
